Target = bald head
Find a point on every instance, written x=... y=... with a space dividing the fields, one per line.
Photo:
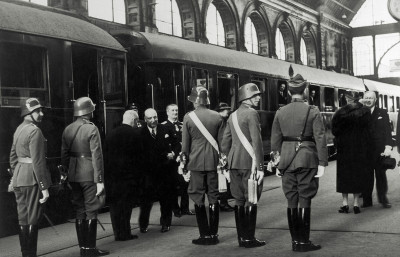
x=151 y=118
x=369 y=99
x=130 y=118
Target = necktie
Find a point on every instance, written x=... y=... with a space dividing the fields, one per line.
x=153 y=134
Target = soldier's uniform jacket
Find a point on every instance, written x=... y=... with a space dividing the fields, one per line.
x=175 y=132
x=249 y=123
x=202 y=155
x=29 y=144
x=85 y=158
x=289 y=122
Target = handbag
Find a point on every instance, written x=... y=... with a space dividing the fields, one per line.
x=252 y=187
x=387 y=162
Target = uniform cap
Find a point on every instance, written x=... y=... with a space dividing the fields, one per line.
x=29 y=105
x=247 y=91
x=83 y=106
x=199 y=95
x=222 y=106
x=297 y=84
x=132 y=106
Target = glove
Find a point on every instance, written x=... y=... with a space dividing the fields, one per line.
x=388 y=151
x=278 y=173
x=46 y=196
x=321 y=171
x=10 y=187
x=227 y=175
x=100 y=188
x=170 y=156
x=186 y=176
x=260 y=176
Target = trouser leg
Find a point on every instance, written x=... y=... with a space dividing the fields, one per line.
x=381 y=185
x=144 y=215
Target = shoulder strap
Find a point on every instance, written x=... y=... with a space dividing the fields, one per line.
x=204 y=130
x=305 y=121
x=73 y=138
x=246 y=144
x=19 y=133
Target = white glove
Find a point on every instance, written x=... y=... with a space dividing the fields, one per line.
x=260 y=176
x=10 y=187
x=100 y=188
x=186 y=176
x=46 y=196
x=388 y=151
x=227 y=175
x=170 y=155
x=321 y=171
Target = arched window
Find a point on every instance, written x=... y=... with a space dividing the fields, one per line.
x=214 y=27
x=250 y=37
x=387 y=49
x=41 y=2
x=363 y=59
x=303 y=52
x=280 y=45
x=168 y=18
x=109 y=10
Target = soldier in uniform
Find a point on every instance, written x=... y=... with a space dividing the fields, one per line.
x=202 y=160
x=241 y=164
x=174 y=127
x=303 y=158
x=31 y=178
x=123 y=155
x=81 y=153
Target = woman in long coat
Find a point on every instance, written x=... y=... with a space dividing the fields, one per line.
x=351 y=128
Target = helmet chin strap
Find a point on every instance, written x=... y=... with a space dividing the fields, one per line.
x=33 y=119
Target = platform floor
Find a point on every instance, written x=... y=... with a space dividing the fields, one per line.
x=373 y=232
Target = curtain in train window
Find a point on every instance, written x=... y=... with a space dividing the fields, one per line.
x=23 y=74
x=113 y=81
x=329 y=99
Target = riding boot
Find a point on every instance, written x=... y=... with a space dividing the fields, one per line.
x=251 y=219
x=292 y=216
x=202 y=223
x=214 y=221
x=91 y=233
x=31 y=236
x=240 y=224
x=305 y=245
x=23 y=238
x=80 y=226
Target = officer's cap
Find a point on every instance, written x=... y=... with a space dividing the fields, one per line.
x=297 y=84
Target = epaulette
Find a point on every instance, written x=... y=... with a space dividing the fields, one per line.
x=164 y=122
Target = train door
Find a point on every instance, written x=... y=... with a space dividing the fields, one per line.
x=226 y=91
x=198 y=76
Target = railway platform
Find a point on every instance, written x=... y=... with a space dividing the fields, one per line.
x=373 y=232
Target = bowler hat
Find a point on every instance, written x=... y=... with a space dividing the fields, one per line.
x=222 y=106
x=297 y=84
x=199 y=95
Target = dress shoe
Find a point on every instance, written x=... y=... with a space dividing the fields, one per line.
x=253 y=243
x=226 y=208
x=307 y=247
x=356 y=210
x=344 y=209
x=386 y=205
x=177 y=213
x=165 y=229
x=130 y=237
x=187 y=212
x=143 y=230
x=202 y=240
x=366 y=205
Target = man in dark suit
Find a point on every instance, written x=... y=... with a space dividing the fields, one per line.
x=123 y=154
x=282 y=95
x=382 y=146
x=81 y=153
x=174 y=127
x=159 y=163
x=242 y=164
x=303 y=157
x=202 y=160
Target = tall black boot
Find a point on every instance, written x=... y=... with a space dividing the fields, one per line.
x=305 y=245
x=214 y=222
x=80 y=226
x=251 y=219
x=91 y=233
x=144 y=216
x=292 y=216
x=202 y=223
x=30 y=239
x=23 y=238
x=240 y=224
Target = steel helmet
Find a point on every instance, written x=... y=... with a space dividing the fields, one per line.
x=83 y=106
x=29 y=105
x=199 y=95
x=247 y=91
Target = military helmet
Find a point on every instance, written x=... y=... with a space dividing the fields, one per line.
x=247 y=91
x=199 y=95
x=30 y=105
x=83 y=106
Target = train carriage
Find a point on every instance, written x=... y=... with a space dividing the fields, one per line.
x=56 y=56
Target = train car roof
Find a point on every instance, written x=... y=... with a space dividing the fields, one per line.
x=50 y=22
x=156 y=47
x=382 y=88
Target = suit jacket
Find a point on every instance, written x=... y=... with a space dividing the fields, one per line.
x=29 y=142
x=381 y=131
x=201 y=154
x=289 y=122
x=249 y=123
x=87 y=143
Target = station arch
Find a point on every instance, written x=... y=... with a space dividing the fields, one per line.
x=286 y=27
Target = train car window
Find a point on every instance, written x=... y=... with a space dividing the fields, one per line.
x=226 y=89
x=313 y=95
x=282 y=93
x=198 y=77
x=23 y=73
x=329 y=99
x=261 y=82
x=391 y=104
x=380 y=103
x=113 y=81
x=342 y=97
x=385 y=102
x=397 y=103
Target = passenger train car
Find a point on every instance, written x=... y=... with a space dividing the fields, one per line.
x=57 y=57
x=162 y=69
